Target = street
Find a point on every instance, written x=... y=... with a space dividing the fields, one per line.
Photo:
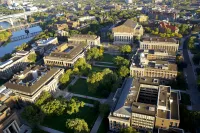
x=191 y=79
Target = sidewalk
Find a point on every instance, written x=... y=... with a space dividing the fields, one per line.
x=96 y=124
x=88 y=97
x=50 y=130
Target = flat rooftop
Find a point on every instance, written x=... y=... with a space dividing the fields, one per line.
x=67 y=51
x=82 y=36
x=31 y=79
x=159 y=39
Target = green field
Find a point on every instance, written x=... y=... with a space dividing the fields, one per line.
x=185 y=99
x=58 y=122
x=107 y=58
x=81 y=87
x=97 y=69
x=84 y=100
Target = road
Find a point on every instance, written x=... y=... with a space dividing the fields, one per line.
x=191 y=80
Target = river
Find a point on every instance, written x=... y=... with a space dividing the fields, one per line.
x=8 y=48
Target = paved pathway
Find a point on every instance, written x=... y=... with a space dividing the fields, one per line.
x=88 y=97
x=96 y=124
x=89 y=105
x=191 y=79
x=103 y=62
x=105 y=66
x=50 y=130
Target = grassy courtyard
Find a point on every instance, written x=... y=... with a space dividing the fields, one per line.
x=97 y=69
x=58 y=122
x=84 y=100
x=107 y=58
x=81 y=87
x=185 y=99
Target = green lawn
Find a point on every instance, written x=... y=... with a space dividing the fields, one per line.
x=81 y=87
x=103 y=128
x=185 y=99
x=58 y=122
x=107 y=58
x=84 y=100
x=97 y=69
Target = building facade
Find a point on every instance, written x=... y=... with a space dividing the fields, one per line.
x=65 y=55
x=139 y=105
x=125 y=33
x=148 y=64
x=166 y=44
x=29 y=84
x=89 y=39
x=15 y=64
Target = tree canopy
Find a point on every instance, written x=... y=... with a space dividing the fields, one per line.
x=78 y=125
x=125 y=49
x=120 y=61
x=128 y=130
x=82 y=67
x=43 y=97
x=32 y=57
x=94 y=53
x=123 y=71
x=66 y=76
x=32 y=114
x=21 y=47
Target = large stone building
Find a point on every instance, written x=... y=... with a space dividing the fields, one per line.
x=30 y=83
x=160 y=65
x=125 y=33
x=145 y=104
x=15 y=64
x=65 y=55
x=167 y=44
x=89 y=39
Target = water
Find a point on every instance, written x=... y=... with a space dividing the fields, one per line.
x=5 y=25
x=8 y=48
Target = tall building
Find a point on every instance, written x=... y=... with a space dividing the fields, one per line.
x=89 y=39
x=30 y=83
x=66 y=54
x=15 y=64
x=125 y=33
x=145 y=104
x=148 y=63
x=167 y=44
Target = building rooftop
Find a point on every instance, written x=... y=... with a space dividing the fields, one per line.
x=159 y=39
x=31 y=79
x=147 y=96
x=68 y=51
x=82 y=36
x=140 y=60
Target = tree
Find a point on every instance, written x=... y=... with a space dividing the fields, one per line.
x=78 y=125
x=32 y=114
x=83 y=66
x=43 y=97
x=31 y=19
x=104 y=109
x=74 y=105
x=66 y=76
x=21 y=47
x=56 y=106
x=32 y=57
x=95 y=53
x=125 y=49
x=128 y=130
x=123 y=71
x=120 y=61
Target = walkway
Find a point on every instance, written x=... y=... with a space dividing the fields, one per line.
x=89 y=97
x=191 y=79
x=96 y=124
x=50 y=130
x=89 y=105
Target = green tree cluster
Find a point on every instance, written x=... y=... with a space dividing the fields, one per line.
x=95 y=53
x=32 y=57
x=125 y=49
x=66 y=76
x=32 y=114
x=4 y=35
x=77 y=125
x=104 y=82
x=6 y=11
x=45 y=96
x=81 y=67
x=122 y=65
x=60 y=105
x=128 y=130
x=21 y=47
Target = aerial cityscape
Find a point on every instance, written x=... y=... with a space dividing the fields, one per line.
x=99 y=66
